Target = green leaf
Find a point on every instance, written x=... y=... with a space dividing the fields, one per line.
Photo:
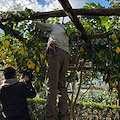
x=93 y=4
x=2 y=34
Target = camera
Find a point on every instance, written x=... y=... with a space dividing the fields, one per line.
x=27 y=72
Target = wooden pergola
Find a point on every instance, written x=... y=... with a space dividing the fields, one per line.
x=73 y=15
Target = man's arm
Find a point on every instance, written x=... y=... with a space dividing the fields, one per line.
x=43 y=26
x=29 y=89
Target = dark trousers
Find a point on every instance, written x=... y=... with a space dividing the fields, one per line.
x=56 y=78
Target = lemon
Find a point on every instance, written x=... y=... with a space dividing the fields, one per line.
x=9 y=65
x=16 y=49
x=8 y=60
x=113 y=36
x=31 y=65
x=22 y=52
x=35 y=74
x=86 y=26
x=28 y=62
x=16 y=67
x=4 y=54
x=26 y=41
x=37 y=69
x=117 y=50
x=46 y=63
x=111 y=76
x=92 y=40
x=6 y=43
x=22 y=67
x=116 y=41
x=112 y=84
x=81 y=50
x=10 y=53
x=36 y=48
x=25 y=48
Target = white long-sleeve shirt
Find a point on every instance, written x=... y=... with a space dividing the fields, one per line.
x=57 y=35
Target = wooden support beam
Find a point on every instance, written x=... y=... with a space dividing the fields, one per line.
x=95 y=36
x=72 y=15
x=100 y=35
x=61 y=13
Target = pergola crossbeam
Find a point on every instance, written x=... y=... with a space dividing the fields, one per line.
x=82 y=11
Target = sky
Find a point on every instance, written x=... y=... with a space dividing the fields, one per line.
x=43 y=5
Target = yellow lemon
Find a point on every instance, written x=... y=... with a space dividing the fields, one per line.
x=112 y=84
x=9 y=65
x=25 y=48
x=8 y=60
x=92 y=40
x=86 y=26
x=111 y=76
x=6 y=43
x=113 y=36
x=82 y=49
x=35 y=74
x=116 y=41
x=16 y=49
x=4 y=54
x=16 y=67
x=29 y=66
x=36 y=48
x=22 y=52
x=32 y=65
x=10 y=53
x=37 y=69
x=22 y=67
x=28 y=63
x=46 y=63
x=26 y=41
x=117 y=50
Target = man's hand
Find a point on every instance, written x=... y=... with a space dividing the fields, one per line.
x=26 y=78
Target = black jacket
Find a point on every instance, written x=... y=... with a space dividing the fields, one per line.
x=14 y=103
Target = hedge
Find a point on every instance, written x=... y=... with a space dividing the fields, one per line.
x=84 y=110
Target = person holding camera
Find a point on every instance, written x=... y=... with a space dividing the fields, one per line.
x=13 y=96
